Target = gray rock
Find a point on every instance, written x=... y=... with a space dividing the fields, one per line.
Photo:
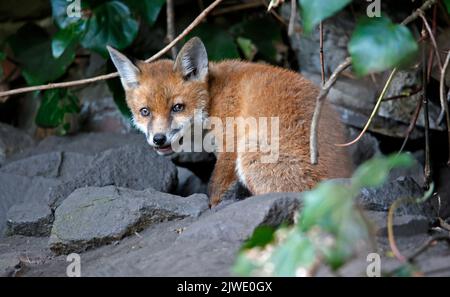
x=366 y=148
x=16 y=189
x=189 y=183
x=94 y=216
x=206 y=247
x=52 y=165
x=29 y=219
x=381 y=198
x=12 y=141
x=9 y=264
x=134 y=167
x=404 y=225
x=83 y=143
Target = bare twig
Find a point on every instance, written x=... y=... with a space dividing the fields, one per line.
x=293 y=17
x=427 y=166
x=318 y=109
x=412 y=124
x=316 y=116
x=429 y=243
x=433 y=40
x=237 y=7
x=374 y=111
x=159 y=54
x=322 y=62
x=403 y=96
x=390 y=220
x=171 y=26
x=444 y=103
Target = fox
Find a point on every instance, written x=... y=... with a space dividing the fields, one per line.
x=164 y=95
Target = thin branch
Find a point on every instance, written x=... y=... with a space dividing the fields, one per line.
x=403 y=96
x=412 y=124
x=429 y=243
x=433 y=40
x=159 y=54
x=237 y=7
x=313 y=147
x=318 y=109
x=427 y=166
x=444 y=103
x=171 y=26
x=322 y=62
x=293 y=17
x=374 y=111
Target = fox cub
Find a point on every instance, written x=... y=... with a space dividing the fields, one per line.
x=166 y=97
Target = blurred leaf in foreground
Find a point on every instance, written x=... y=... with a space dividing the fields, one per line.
x=314 y=11
x=377 y=44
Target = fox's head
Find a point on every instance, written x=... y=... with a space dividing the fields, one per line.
x=166 y=97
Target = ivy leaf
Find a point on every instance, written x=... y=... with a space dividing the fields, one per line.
x=262 y=236
x=55 y=105
x=60 y=12
x=218 y=42
x=377 y=44
x=32 y=48
x=111 y=24
x=149 y=9
x=314 y=11
x=247 y=47
x=447 y=4
x=375 y=171
x=264 y=40
x=66 y=38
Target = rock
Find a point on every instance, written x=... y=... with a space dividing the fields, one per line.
x=404 y=225
x=99 y=111
x=9 y=264
x=12 y=141
x=189 y=183
x=134 y=167
x=16 y=189
x=206 y=247
x=83 y=143
x=366 y=148
x=29 y=219
x=51 y=165
x=381 y=198
x=95 y=216
x=237 y=221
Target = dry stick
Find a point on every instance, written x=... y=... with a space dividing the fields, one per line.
x=444 y=101
x=293 y=17
x=171 y=26
x=427 y=167
x=374 y=111
x=322 y=63
x=318 y=109
x=433 y=40
x=314 y=123
x=390 y=220
x=429 y=243
x=159 y=54
x=412 y=124
x=403 y=96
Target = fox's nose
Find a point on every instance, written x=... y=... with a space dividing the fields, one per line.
x=159 y=139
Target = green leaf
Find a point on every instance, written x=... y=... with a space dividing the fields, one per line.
x=375 y=171
x=218 y=42
x=247 y=47
x=314 y=11
x=377 y=44
x=55 y=105
x=60 y=15
x=32 y=48
x=149 y=9
x=111 y=24
x=295 y=253
x=262 y=236
x=447 y=4
x=264 y=40
x=66 y=38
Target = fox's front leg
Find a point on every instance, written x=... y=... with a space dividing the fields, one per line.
x=222 y=178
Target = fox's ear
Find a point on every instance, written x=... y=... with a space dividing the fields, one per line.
x=192 y=60
x=129 y=73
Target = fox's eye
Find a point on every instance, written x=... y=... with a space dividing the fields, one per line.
x=144 y=112
x=178 y=107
